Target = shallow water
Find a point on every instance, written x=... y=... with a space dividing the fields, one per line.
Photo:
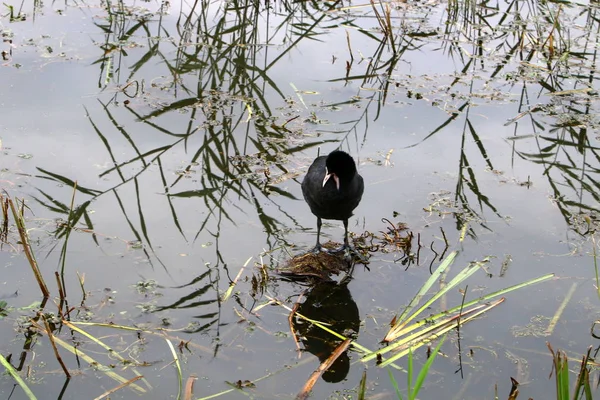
x=188 y=132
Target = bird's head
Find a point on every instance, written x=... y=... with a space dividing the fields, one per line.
x=340 y=167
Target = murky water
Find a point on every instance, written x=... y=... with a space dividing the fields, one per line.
x=188 y=130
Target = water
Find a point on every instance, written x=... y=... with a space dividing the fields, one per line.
x=188 y=130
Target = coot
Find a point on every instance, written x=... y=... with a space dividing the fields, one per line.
x=333 y=188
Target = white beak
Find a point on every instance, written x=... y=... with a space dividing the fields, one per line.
x=335 y=178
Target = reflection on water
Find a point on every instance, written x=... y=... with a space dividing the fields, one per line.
x=332 y=304
x=168 y=145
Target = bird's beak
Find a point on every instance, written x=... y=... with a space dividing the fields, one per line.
x=332 y=175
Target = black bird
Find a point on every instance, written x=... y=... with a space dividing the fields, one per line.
x=333 y=188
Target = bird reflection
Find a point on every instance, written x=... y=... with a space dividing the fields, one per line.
x=330 y=303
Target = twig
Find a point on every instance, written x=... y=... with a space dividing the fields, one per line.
x=462 y=304
x=20 y=222
x=325 y=365
x=61 y=294
x=51 y=338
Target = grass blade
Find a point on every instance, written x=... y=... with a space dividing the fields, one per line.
x=16 y=377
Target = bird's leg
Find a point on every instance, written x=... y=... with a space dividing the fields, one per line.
x=347 y=248
x=346 y=245
x=317 y=247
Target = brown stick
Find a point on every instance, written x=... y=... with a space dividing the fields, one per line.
x=189 y=388
x=325 y=365
x=20 y=222
x=61 y=294
x=291 y=322
x=51 y=338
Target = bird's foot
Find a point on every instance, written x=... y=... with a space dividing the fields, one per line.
x=317 y=249
x=350 y=253
x=342 y=249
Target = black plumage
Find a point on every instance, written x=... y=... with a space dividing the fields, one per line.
x=333 y=188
